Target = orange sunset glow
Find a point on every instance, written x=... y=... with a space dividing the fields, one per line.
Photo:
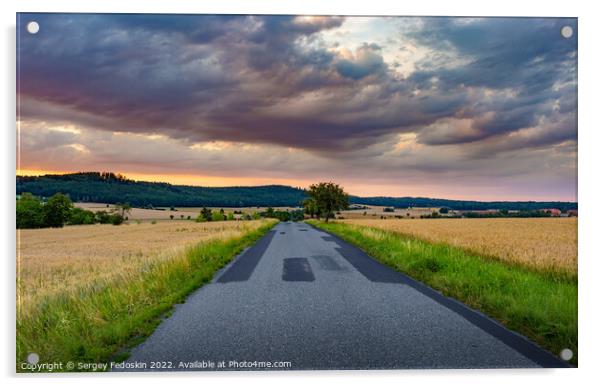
x=396 y=106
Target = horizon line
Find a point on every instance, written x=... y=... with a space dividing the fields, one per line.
x=55 y=173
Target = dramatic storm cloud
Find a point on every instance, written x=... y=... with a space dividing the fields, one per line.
x=448 y=107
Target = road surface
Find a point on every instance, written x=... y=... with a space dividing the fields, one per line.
x=303 y=299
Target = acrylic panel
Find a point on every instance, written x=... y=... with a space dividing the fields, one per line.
x=294 y=192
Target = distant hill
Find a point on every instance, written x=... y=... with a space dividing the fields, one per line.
x=111 y=188
x=405 y=202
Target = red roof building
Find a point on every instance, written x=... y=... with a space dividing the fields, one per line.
x=553 y=211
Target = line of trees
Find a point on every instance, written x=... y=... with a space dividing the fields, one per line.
x=58 y=210
x=505 y=213
x=283 y=215
x=207 y=214
x=219 y=215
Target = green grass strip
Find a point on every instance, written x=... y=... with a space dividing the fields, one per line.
x=537 y=305
x=97 y=326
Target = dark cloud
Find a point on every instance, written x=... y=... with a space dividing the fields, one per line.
x=367 y=61
x=273 y=79
x=523 y=57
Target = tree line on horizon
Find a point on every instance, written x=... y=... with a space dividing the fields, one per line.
x=112 y=188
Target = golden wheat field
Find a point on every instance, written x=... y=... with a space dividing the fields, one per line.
x=548 y=243
x=55 y=261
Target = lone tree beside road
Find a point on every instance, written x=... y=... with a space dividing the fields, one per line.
x=329 y=198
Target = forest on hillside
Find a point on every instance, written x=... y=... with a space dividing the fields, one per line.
x=112 y=188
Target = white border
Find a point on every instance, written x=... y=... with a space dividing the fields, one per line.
x=590 y=193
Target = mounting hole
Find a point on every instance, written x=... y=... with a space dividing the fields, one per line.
x=33 y=358
x=33 y=27
x=566 y=354
x=566 y=31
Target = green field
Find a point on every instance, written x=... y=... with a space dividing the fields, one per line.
x=539 y=305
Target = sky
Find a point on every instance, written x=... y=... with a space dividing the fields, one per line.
x=459 y=108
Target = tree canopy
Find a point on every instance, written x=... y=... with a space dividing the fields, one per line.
x=58 y=210
x=329 y=198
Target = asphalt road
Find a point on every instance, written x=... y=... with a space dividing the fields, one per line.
x=302 y=296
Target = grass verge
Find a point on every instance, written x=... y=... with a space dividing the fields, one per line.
x=95 y=325
x=538 y=305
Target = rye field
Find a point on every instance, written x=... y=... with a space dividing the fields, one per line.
x=88 y=291
x=547 y=244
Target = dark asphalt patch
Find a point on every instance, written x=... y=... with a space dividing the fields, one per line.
x=327 y=263
x=375 y=271
x=370 y=268
x=297 y=269
x=329 y=238
x=282 y=233
x=302 y=230
x=243 y=267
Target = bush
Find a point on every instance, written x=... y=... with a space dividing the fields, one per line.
x=57 y=210
x=103 y=217
x=205 y=214
x=217 y=216
x=81 y=216
x=29 y=212
x=116 y=219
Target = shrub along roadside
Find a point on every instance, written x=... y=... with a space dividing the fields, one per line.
x=537 y=305
x=94 y=325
